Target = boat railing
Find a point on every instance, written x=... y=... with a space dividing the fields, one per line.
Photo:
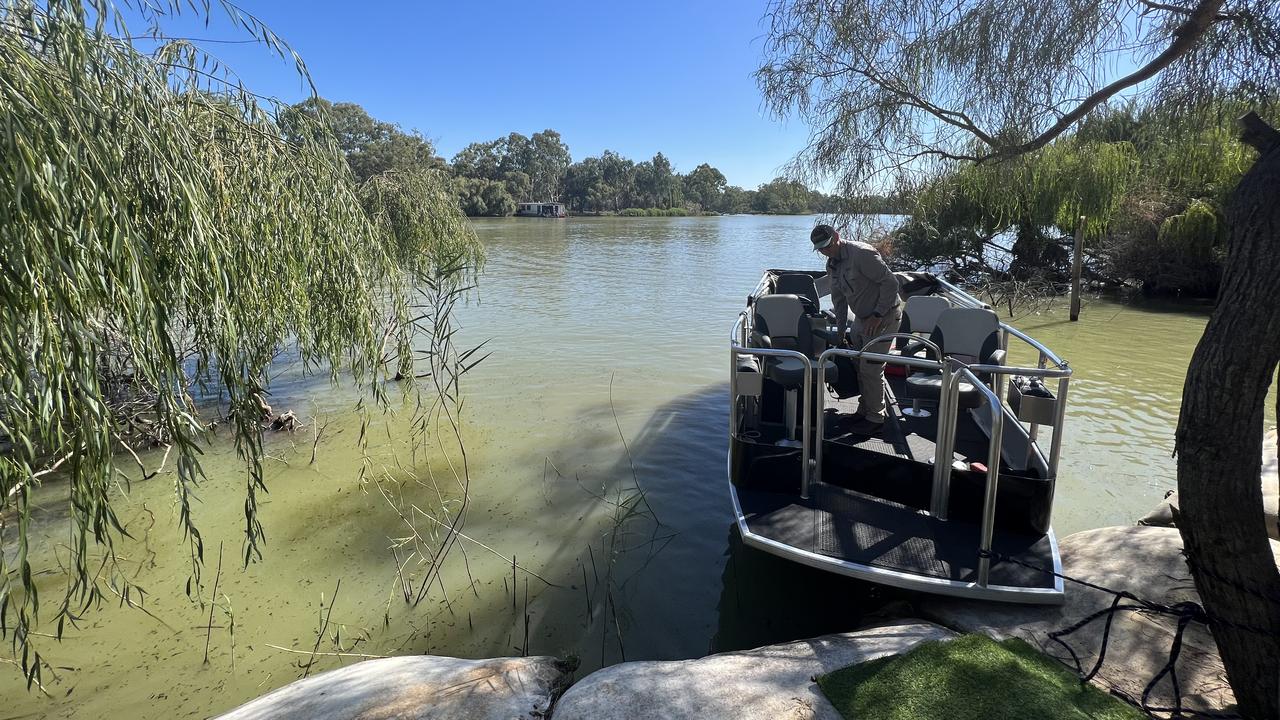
x=959 y=372
x=1048 y=366
x=738 y=347
x=864 y=354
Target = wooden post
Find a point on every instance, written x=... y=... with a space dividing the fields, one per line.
x=1077 y=263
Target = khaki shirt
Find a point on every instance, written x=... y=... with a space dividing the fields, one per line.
x=860 y=281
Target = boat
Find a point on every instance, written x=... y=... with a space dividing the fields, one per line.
x=541 y=209
x=953 y=496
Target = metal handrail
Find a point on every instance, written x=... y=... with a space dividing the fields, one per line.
x=993 y=466
x=1017 y=370
x=1036 y=344
x=937 y=352
x=806 y=429
x=858 y=355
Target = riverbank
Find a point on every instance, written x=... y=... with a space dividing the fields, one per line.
x=781 y=680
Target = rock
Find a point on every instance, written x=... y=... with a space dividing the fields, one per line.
x=1146 y=561
x=418 y=687
x=1163 y=515
x=769 y=682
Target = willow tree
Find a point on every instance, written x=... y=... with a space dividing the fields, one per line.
x=904 y=87
x=159 y=235
x=959 y=215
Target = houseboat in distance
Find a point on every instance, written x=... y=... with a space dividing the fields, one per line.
x=541 y=209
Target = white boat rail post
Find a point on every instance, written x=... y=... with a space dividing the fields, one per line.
x=1055 y=445
x=944 y=445
x=806 y=427
x=993 y=478
x=820 y=411
x=739 y=332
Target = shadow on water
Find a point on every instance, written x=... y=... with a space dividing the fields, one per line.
x=765 y=599
x=685 y=586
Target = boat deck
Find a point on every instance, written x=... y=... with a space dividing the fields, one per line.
x=906 y=437
x=851 y=528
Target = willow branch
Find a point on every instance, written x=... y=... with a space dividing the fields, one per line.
x=1184 y=39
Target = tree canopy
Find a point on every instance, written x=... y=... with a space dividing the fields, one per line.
x=371 y=147
x=900 y=87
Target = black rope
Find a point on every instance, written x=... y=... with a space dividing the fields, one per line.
x=1185 y=612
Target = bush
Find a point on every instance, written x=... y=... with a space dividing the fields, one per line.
x=1171 y=252
x=654 y=212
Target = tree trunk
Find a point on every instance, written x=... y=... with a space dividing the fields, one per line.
x=1219 y=441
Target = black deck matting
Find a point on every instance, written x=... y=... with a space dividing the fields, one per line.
x=858 y=528
x=907 y=437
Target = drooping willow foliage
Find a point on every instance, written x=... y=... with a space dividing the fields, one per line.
x=908 y=87
x=158 y=235
x=1129 y=173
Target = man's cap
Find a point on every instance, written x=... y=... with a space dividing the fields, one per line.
x=822 y=236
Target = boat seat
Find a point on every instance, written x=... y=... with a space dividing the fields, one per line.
x=921 y=313
x=920 y=316
x=781 y=323
x=801 y=285
x=970 y=335
x=929 y=386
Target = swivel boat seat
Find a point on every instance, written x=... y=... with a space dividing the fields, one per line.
x=920 y=317
x=970 y=335
x=781 y=323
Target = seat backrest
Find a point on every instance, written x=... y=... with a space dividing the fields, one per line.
x=779 y=317
x=797 y=284
x=922 y=311
x=967 y=334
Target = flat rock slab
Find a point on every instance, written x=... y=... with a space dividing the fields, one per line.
x=767 y=683
x=421 y=687
x=1146 y=561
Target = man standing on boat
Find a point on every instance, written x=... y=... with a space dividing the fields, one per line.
x=862 y=282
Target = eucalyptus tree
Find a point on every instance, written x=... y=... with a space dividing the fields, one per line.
x=905 y=87
x=371 y=146
x=580 y=179
x=618 y=179
x=705 y=185
x=548 y=161
x=160 y=236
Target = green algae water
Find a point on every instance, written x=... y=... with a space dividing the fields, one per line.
x=601 y=330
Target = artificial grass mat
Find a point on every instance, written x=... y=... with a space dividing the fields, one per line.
x=972 y=676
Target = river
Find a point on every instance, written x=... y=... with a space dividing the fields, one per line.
x=601 y=329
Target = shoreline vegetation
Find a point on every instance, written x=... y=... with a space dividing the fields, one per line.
x=489 y=179
x=1152 y=194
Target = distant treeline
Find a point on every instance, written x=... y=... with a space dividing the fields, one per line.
x=490 y=178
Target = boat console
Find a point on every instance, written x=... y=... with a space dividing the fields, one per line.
x=953 y=495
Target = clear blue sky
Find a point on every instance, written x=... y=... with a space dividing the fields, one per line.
x=646 y=77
